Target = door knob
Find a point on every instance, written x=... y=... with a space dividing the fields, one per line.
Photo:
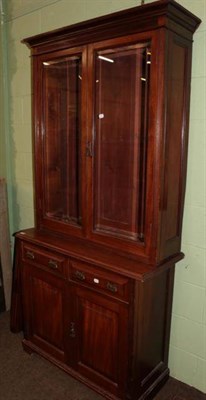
x=72 y=332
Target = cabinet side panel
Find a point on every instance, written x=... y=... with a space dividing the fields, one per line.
x=176 y=138
x=152 y=316
x=16 y=314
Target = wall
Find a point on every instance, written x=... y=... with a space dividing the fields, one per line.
x=188 y=336
x=6 y=205
x=28 y=17
x=2 y=141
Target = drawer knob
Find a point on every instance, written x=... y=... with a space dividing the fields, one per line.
x=111 y=287
x=80 y=275
x=53 y=264
x=30 y=255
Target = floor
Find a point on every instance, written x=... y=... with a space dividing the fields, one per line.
x=30 y=377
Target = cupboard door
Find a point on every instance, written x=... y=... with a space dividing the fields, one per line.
x=60 y=140
x=101 y=336
x=121 y=93
x=44 y=299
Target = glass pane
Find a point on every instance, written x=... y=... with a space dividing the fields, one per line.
x=122 y=82
x=62 y=121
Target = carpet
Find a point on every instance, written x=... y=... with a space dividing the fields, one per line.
x=30 y=377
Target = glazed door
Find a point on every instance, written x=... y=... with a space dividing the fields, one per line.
x=60 y=139
x=121 y=89
x=99 y=335
x=44 y=316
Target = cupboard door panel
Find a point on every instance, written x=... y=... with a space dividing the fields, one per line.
x=44 y=310
x=47 y=301
x=98 y=324
x=102 y=332
x=121 y=85
x=62 y=135
x=60 y=129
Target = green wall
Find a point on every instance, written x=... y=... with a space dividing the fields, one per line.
x=6 y=165
x=2 y=141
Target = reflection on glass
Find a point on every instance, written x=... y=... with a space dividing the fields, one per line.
x=121 y=88
x=62 y=121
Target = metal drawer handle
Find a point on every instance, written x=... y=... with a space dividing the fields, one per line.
x=53 y=264
x=30 y=255
x=80 y=275
x=111 y=287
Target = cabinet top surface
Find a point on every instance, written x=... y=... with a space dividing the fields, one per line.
x=148 y=16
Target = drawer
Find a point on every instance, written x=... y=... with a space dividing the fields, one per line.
x=94 y=277
x=46 y=259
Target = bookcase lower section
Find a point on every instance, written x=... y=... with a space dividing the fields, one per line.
x=106 y=329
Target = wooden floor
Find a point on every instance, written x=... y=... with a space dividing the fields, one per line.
x=30 y=377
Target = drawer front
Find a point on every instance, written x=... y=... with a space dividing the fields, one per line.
x=99 y=279
x=49 y=260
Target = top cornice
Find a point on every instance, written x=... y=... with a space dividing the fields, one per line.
x=162 y=13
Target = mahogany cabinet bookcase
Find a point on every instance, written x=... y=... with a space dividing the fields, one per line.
x=93 y=281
